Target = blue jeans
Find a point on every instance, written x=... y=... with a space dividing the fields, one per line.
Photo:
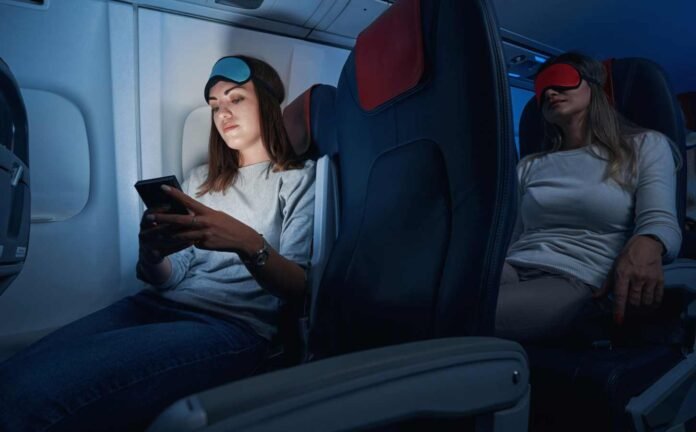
x=117 y=368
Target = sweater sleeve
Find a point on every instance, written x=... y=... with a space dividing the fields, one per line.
x=655 y=205
x=297 y=207
x=181 y=260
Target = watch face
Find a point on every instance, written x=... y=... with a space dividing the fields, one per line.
x=261 y=258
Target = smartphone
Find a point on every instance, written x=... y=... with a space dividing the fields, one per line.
x=154 y=197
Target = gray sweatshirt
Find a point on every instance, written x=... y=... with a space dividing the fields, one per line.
x=279 y=205
x=572 y=220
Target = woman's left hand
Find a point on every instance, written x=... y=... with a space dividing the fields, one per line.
x=210 y=229
x=637 y=277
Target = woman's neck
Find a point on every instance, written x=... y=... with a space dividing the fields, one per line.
x=253 y=155
x=575 y=133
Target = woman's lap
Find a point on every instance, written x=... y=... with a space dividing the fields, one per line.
x=545 y=307
x=117 y=368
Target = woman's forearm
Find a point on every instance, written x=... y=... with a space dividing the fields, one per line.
x=280 y=276
x=154 y=274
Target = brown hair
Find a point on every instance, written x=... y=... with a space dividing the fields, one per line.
x=605 y=126
x=223 y=162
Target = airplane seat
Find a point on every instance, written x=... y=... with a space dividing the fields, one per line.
x=15 y=203
x=309 y=123
x=309 y=120
x=688 y=105
x=427 y=194
x=303 y=118
x=648 y=359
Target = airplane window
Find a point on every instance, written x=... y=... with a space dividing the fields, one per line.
x=59 y=155
x=519 y=97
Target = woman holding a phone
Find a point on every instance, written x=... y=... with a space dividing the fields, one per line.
x=216 y=279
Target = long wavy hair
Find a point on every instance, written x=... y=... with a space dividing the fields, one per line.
x=605 y=126
x=223 y=162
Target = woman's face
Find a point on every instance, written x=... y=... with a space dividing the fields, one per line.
x=560 y=106
x=236 y=115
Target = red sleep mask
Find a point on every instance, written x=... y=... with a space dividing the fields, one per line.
x=560 y=76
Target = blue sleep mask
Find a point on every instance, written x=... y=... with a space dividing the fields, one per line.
x=236 y=70
x=228 y=69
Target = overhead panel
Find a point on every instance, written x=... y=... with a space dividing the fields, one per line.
x=347 y=18
x=292 y=12
x=332 y=22
x=523 y=57
x=272 y=16
x=276 y=16
x=357 y=15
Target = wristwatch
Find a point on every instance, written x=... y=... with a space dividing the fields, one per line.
x=259 y=258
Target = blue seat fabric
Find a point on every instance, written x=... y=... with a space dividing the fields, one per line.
x=427 y=195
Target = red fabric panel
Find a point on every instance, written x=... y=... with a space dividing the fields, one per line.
x=609 y=84
x=688 y=105
x=307 y=100
x=389 y=58
x=296 y=120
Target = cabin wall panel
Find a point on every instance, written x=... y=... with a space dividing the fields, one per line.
x=73 y=265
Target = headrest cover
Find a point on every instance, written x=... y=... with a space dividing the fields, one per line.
x=389 y=58
x=297 y=122
x=688 y=106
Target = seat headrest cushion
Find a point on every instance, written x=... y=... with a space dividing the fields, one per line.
x=389 y=57
x=297 y=122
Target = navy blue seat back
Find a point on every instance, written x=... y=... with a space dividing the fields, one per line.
x=309 y=122
x=426 y=175
x=641 y=92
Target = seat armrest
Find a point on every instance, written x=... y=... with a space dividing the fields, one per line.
x=680 y=278
x=681 y=273
x=453 y=377
x=668 y=404
x=325 y=221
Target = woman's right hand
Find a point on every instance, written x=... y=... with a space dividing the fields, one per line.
x=156 y=240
